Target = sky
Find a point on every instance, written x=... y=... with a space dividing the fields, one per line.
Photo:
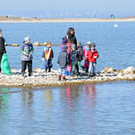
x=67 y=8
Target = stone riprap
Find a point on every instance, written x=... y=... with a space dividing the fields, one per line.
x=42 y=79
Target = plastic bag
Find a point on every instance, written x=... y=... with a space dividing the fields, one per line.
x=5 y=65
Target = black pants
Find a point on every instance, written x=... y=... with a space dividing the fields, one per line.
x=75 y=67
x=24 y=64
x=0 y=60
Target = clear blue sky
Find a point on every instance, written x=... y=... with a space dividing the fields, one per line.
x=68 y=8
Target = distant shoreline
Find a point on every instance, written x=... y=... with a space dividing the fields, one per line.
x=62 y=20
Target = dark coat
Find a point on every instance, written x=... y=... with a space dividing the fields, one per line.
x=63 y=59
x=2 y=45
x=80 y=53
x=72 y=38
x=75 y=56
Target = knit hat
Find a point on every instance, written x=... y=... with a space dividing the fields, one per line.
x=64 y=47
x=26 y=39
x=88 y=43
x=73 y=46
x=69 y=45
x=93 y=45
x=64 y=41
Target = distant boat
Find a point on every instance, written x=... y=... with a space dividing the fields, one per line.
x=115 y=25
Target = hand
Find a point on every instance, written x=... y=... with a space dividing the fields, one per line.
x=95 y=57
x=43 y=59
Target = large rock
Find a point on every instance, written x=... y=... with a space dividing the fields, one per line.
x=129 y=70
x=109 y=69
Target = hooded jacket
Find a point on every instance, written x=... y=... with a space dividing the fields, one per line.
x=63 y=59
x=72 y=38
x=91 y=56
x=2 y=45
x=26 y=52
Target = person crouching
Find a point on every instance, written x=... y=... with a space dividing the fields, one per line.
x=47 y=56
x=63 y=61
x=26 y=56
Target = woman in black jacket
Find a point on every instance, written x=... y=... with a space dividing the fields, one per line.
x=71 y=36
x=2 y=47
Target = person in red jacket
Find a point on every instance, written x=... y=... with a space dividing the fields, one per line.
x=92 y=55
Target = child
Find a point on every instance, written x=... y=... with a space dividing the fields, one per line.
x=63 y=61
x=86 y=48
x=64 y=42
x=92 y=55
x=75 y=56
x=47 y=56
x=80 y=52
x=2 y=47
x=68 y=71
x=26 y=56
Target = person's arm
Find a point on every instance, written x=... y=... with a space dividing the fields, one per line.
x=52 y=53
x=2 y=42
x=32 y=50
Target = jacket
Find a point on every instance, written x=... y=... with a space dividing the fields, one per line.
x=47 y=53
x=72 y=38
x=75 y=56
x=63 y=59
x=2 y=45
x=91 y=56
x=26 y=52
x=80 y=53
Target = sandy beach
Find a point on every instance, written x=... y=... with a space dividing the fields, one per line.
x=58 y=20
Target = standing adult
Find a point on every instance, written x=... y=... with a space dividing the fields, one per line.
x=71 y=36
x=2 y=47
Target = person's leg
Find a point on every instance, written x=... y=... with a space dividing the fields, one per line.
x=60 y=74
x=77 y=69
x=63 y=73
x=46 y=65
x=30 y=67
x=94 y=69
x=49 y=65
x=0 y=61
x=90 y=69
x=24 y=63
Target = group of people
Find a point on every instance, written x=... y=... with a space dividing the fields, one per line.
x=69 y=59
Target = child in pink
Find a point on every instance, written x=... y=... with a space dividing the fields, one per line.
x=86 y=63
x=68 y=70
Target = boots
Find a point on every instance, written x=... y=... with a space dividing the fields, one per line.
x=59 y=78
x=30 y=74
x=49 y=69
x=63 y=77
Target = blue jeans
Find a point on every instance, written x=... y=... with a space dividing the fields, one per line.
x=63 y=71
x=92 y=68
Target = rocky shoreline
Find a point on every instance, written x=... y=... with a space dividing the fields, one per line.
x=42 y=79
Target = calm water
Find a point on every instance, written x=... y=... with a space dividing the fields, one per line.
x=72 y=110
x=115 y=45
x=104 y=109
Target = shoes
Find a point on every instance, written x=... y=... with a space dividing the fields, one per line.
x=30 y=74
x=63 y=77
x=78 y=74
x=22 y=73
x=59 y=78
x=49 y=70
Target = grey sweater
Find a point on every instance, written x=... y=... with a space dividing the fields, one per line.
x=26 y=52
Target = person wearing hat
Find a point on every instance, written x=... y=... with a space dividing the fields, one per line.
x=75 y=57
x=68 y=70
x=63 y=61
x=86 y=48
x=2 y=47
x=64 y=42
x=80 y=53
x=92 y=56
x=26 y=56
